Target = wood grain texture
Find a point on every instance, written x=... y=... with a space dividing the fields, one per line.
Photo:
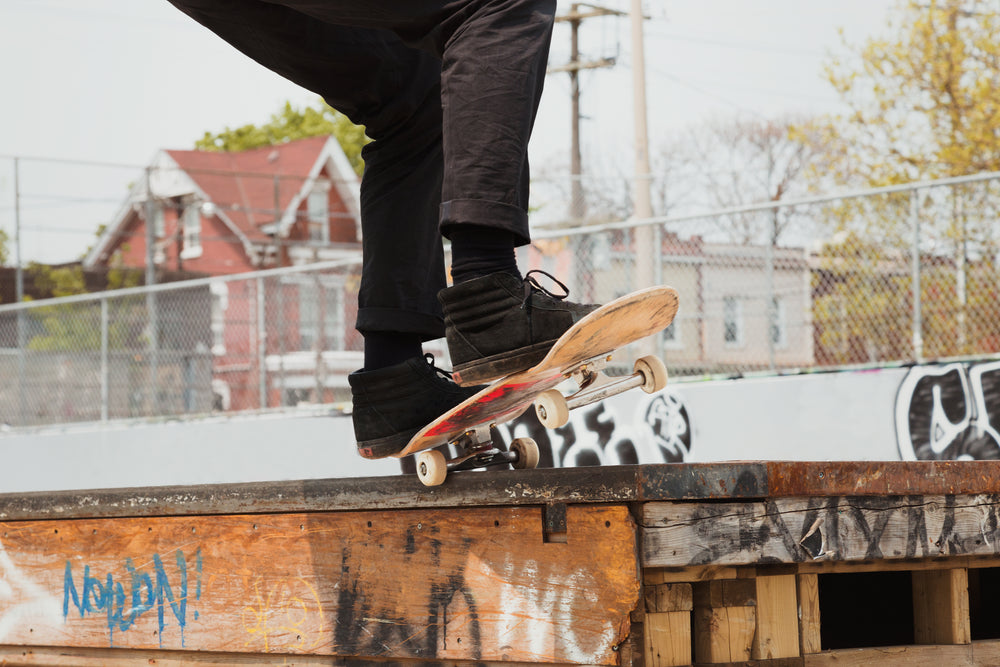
x=810 y=637
x=941 y=607
x=476 y=584
x=668 y=639
x=801 y=530
x=898 y=656
x=777 y=634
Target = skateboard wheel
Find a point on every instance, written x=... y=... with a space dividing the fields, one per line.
x=653 y=372
x=527 y=453
x=552 y=409
x=431 y=467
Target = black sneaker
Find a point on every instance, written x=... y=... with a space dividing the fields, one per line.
x=500 y=324
x=392 y=404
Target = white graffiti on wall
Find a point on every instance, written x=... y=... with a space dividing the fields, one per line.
x=949 y=412
x=655 y=429
x=22 y=601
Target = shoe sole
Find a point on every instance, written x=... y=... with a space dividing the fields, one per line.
x=488 y=369
x=382 y=448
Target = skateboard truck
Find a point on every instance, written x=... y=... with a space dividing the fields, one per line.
x=477 y=450
x=649 y=374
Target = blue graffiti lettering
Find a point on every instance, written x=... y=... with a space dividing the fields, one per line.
x=146 y=592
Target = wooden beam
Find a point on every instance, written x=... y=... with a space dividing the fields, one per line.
x=802 y=530
x=941 y=607
x=46 y=656
x=668 y=639
x=777 y=633
x=474 y=585
x=646 y=483
x=892 y=656
x=809 y=617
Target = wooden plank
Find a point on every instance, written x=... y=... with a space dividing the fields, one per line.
x=45 y=656
x=476 y=584
x=798 y=530
x=626 y=483
x=777 y=633
x=645 y=483
x=694 y=574
x=726 y=593
x=941 y=607
x=724 y=634
x=894 y=656
x=881 y=478
x=809 y=616
x=668 y=597
x=668 y=639
x=986 y=652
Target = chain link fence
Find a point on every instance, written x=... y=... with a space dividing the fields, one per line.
x=896 y=275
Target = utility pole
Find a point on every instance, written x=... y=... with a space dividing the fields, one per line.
x=578 y=13
x=645 y=246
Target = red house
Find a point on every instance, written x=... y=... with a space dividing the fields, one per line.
x=217 y=213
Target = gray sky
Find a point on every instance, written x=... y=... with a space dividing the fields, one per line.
x=113 y=81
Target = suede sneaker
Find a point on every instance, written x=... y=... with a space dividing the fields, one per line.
x=501 y=324
x=392 y=404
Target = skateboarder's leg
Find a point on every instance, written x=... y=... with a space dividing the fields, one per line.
x=373 y=78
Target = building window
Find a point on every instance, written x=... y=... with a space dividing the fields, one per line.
x=319 y=212
x=672 y=334
x=321 y=316
x=159 y=228
x=779 y=323
x=732 y=321
x=220 y=303
x=191 y=223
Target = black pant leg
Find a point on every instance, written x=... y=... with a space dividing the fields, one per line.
x=394 y=91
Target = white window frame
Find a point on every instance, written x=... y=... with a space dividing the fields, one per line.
x=334 y=325
x=220 y=303
x=318 y=212
x=778 y=326
x=191 y=230
x=732 y=317
x=671 y=336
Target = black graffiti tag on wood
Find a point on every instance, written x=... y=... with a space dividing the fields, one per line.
x=795 y=530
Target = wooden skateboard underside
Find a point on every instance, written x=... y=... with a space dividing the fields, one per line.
x=610 y=327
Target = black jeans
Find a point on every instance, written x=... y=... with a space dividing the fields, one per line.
x=448 y=91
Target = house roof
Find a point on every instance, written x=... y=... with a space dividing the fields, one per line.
x=254 y=187
x=255 y=192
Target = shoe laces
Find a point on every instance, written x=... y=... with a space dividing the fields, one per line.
x=429 y=358
x=531 y=285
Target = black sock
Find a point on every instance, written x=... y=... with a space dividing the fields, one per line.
x=384 y=348
x=477 y=251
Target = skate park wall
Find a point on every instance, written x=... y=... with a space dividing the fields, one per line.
x=945 y=411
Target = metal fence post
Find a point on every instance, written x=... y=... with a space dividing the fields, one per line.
x=105 y=379
x=261 y=344
x=918 y=336
x=151 y=311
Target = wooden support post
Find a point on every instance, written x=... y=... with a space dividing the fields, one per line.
x=809 y=626
x=668 y=625
x=725 y=618
x=777 y=633
x=941 y=607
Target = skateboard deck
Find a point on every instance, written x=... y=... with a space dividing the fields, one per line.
x=588 y=342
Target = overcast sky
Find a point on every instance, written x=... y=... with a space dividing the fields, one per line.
x=114 y=81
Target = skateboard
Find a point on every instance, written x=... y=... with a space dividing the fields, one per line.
x=581 y=354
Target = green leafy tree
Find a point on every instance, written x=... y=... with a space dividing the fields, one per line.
x=77 y=326
x=4 y=253
x=921 y=104
x=290 y=124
